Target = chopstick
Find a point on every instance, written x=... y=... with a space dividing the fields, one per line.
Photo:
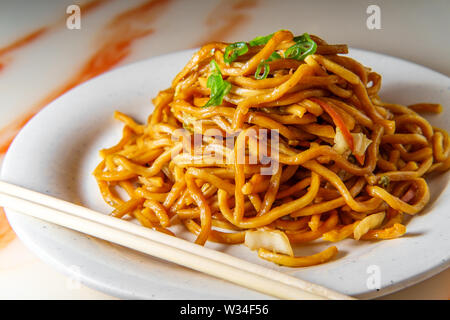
x=160 y=245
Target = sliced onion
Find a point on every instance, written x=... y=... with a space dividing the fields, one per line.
x=274 y=240
x=340 y=144
x=360 y=143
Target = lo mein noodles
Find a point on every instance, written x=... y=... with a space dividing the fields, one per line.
x=275 y=142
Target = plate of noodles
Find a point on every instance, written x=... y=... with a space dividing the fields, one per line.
x=285 y=151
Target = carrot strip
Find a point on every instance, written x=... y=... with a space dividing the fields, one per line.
x=339 y=122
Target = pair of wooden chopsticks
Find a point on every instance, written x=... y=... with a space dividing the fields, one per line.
x=160 y=245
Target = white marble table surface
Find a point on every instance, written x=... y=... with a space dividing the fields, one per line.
x=33 y=73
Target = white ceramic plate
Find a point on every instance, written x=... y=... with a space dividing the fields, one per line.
x=58 y=149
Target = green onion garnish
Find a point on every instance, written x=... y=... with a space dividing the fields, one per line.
x=264 y=64
x=219 y=87
x=234 y=50
x=304 y=37
x=274 y=56
x=384 y=181
x=258 y=41
x=303 y=47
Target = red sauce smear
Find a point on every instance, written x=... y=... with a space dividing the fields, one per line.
x=91 y=5
x=118 y=37
x=32 y=36
x=23 y=41
x=225 y=18
x=6 y=233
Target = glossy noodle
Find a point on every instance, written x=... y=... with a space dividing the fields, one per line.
x=282 y=135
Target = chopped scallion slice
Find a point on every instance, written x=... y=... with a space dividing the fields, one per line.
x=234 y=50
x=265 y=65
x=303 y=47
x=384 y=181
x=219 y=87
x=258 y=41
